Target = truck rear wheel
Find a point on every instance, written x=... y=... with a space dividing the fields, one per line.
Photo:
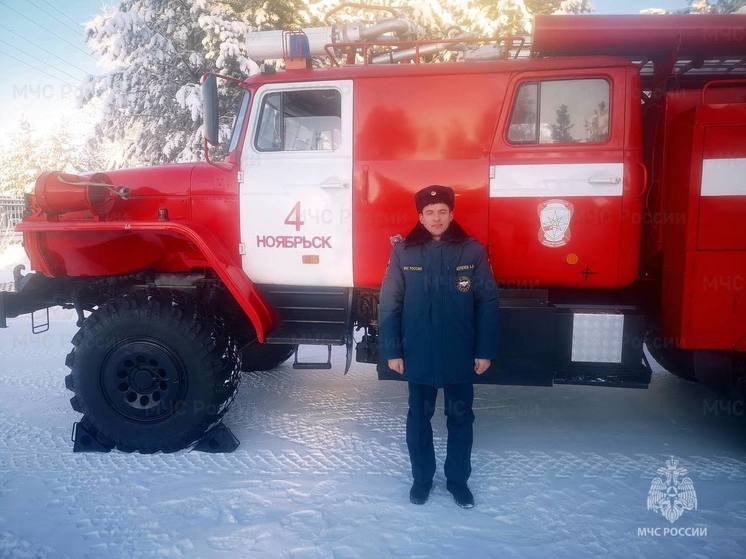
x=679 y=362
x=150 y=373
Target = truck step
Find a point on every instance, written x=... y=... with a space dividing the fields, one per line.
x=309 y=365
x=308 y=333
x=309 y=315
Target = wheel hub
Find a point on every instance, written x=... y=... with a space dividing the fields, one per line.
x=143 y=380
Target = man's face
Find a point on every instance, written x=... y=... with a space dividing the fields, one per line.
x=436 y=218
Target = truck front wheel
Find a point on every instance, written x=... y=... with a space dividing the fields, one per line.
x=151 y=373
x=265 y=357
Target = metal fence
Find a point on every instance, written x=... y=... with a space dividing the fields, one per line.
x=11 y=212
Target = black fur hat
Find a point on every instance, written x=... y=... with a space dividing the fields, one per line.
x=434 y=194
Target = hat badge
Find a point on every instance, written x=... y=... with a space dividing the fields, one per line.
x=432 y=193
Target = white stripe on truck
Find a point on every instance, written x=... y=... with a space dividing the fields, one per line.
x=556 y=179
x=724 y=177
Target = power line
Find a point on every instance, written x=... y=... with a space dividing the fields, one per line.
x=24 y=16
x=75 y=30
x=36 y=68
x=86 y=72
x=42 y=61
x=60 y=11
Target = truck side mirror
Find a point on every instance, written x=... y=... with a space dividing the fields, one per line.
x=210 y=109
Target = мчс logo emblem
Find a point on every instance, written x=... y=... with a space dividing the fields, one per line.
x=463 y=284
x=673 y=493
x=554 y=222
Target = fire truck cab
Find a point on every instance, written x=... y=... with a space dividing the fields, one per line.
x=545 y=156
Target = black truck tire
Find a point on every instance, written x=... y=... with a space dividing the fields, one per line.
x=151 y=373
x=678 y=362
x=265 y=357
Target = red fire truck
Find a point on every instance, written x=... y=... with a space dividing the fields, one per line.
x=603 y=166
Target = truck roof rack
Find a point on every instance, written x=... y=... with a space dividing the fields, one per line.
x=392 y=51
x=697 y=47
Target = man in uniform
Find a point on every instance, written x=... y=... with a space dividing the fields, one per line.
x=438 y=315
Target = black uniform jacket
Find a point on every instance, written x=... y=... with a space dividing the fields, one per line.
x=438 y=307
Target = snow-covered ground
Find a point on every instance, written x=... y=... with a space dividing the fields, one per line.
x=323 y=471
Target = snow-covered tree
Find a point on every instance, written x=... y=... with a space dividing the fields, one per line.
x=28 y=153
x=436 y=18
x=730 y=6
x=574 y=7
x=562 y=126
x=702 y=7
x=156 y=52
x=559 y=7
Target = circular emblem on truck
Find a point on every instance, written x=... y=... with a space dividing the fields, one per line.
x=554 y=222
x=463 y=284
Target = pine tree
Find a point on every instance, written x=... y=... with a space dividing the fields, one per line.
x=437 y=18
x=562 y=126
x=700 y=7
x=567 y=7
x=704 y=7
x=157 y=52
x=597 y=129
x=30 y=153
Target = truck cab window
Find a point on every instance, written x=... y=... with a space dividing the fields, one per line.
x=238 y=121
x=561 y=112
x=300 y=121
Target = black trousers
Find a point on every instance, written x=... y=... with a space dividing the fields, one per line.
x=460 y=419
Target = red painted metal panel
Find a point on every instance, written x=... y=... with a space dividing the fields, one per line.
x=715 y=301
x=722 y=223
x=704 y=264
x=677 y=214
x=455 y=71
x=721 y=218
x=410 y=133
x=603 y=249
x=199 y=194
x=640 y=35
x=214 y=205
x=204 y=241
x=103 y=253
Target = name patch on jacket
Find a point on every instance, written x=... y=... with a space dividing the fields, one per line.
x=412 y=268
x=464 y=267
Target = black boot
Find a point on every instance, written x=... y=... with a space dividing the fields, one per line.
x=461 y=495
x=419 y=493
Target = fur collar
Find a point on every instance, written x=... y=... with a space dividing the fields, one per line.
x=419 y=235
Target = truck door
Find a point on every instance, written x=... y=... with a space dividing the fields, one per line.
x=295 y=192
x=566 y=186
x=566 y=180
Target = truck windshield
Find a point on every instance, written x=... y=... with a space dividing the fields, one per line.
x=238 y=120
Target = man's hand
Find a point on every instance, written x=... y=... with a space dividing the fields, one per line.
x=480 y=365
x=397 y=365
